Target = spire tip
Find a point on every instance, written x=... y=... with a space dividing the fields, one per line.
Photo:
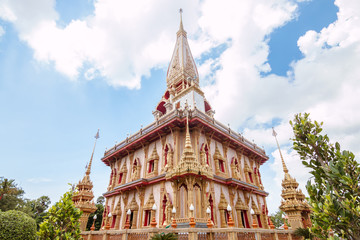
x=181 y=24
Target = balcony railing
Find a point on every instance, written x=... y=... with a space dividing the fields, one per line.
x=176 y=113
x=193 y=234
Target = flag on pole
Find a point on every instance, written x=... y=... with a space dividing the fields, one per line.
x=97 y=134
x=274 y=133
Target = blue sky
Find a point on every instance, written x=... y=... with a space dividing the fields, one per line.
x=68 y=68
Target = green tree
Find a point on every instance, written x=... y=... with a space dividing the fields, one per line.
x=334 y=187
x=36 y=208
x=10 y=194
x=278 y=218
x=99 y=214
x=62 y=220
x=16 y=225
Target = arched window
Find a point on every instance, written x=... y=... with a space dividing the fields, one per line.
x=204 y=151
x=136 y=169
x=151 y=166
x=120 y=177
x=221 y=165
x=235 y=168
x=152 y=163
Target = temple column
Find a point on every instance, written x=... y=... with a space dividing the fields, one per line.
x=141 y=192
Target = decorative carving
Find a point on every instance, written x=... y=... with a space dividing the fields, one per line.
x=136 y=169
x=220 y=163
x=153 y=163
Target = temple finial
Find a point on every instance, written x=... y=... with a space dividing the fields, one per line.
x=88 y=170
x=282 y=159
x=181 y=24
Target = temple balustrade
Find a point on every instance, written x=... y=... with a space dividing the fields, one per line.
x=193 y=234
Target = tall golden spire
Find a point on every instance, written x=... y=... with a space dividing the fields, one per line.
x=88 y=170
x=282 y=159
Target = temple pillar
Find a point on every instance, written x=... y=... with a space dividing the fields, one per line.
x=239 y=218
x=134 y=220
x=141 y=193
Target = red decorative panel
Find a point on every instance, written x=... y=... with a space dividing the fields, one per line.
x=283 y=236
x=246 y=236
x=220 y=236
x=96 y=237
x=267 y=236
x=115 y=237
x=137 y=236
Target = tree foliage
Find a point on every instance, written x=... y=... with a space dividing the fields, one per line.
x=303 y=232
x=99 y=214
x=62 y=220
x=278 y=219
x=163 y=236
x=334 y=188
x=16 y=225
x=10 y=194
x=36 y=208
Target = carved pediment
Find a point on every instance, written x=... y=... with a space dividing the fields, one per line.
x=154 y=155
x=223 y=202
x=150 y=202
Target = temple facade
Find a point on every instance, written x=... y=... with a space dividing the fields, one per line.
x=184 y=164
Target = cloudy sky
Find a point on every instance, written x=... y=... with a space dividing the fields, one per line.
x=69 y=67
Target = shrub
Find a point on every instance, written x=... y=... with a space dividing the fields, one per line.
x=16 y=225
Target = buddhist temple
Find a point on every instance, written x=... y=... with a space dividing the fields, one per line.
x=83 y=196
x=184 y=165
x=293 y=203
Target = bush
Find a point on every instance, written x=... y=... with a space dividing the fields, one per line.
x=16 y=225
x=62 y=220
x=163 y=236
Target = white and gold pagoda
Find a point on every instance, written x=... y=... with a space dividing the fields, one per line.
x=185 y=162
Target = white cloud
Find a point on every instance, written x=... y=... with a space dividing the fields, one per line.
x=123 y=42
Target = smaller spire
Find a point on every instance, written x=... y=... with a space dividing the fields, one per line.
x=188 y=145
x=88 y=170
x=282 y=159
